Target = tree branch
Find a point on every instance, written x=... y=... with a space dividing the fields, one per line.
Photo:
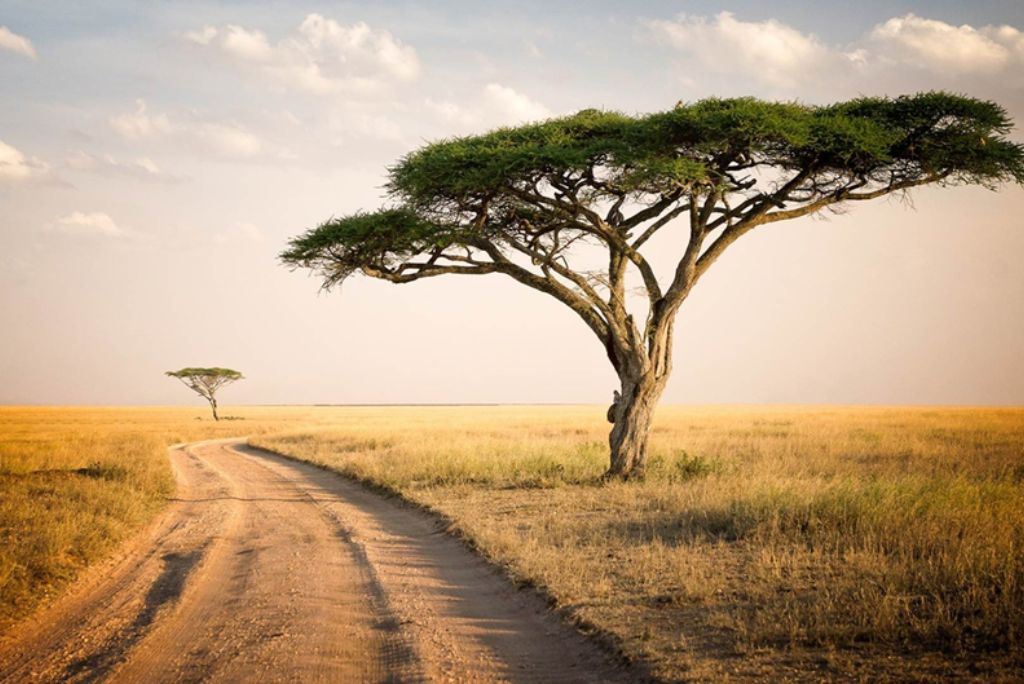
x=749 y=221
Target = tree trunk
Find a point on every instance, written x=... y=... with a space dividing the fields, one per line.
x=633 y=413
x=213 y=405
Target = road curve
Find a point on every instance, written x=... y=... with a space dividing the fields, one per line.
x=266 y=569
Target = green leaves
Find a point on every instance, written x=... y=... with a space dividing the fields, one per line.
x=684 y=147
x=715 y=126
x=339 y=247
x=935 y=133
x=557 y=178
x=206 y=381
x=212 y=373
x=473 y=167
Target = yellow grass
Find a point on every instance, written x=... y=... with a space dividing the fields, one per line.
x=795 y=542
x=804 y=542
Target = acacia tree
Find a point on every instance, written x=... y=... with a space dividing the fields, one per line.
x=522 y=201
x=206 y=381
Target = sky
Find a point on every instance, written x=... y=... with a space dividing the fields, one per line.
x=155 y=158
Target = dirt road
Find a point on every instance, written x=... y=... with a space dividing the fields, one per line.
x=264 y=569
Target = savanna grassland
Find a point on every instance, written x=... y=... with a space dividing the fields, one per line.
x=798 y=542
x=784 y=542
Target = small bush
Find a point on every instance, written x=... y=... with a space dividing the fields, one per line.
x=688 y=466
x=105 y=471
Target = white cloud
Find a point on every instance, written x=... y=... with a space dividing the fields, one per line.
x=15 y=166
x=228 y=140
x=495 y=105
x=1009 y=36
x=222 y=138
x=943 y=47
x=448 y=110
x=91 y=224
x=891 y=57
x=245 y=45
x=322 y=56
x=142 y=168
x=769 y=50
x=510 y=104
x=9 y=40
x=202 y=36
x=140 y=123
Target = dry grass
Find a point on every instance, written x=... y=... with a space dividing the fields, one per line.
x=76 y=481
x=798 y=543
x=784 y=542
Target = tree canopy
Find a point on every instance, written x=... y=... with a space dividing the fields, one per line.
x=206 y=381
x=519 y=200
x=517 y=183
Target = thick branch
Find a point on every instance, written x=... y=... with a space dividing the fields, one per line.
x=842 y=196
x=763 y=215
x=653 y=211
x=659 y=224
x=425 y=271
x=548 y=261
x=502 y=264
x=750 y=220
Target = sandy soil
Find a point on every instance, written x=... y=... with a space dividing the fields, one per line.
x=265 y=569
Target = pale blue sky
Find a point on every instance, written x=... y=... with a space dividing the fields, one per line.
x=153 y=160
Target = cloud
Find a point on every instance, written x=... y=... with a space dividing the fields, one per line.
x=495 y=105
x=943 y=47
x=203 y=36
x=142 y=168
x=15 y=166
x=92 y=224
x=323 y=56
x=768 y=50
x=9 y=40
x=891 y=56
x=228 y=140
x=236 y=42
x=141 y=124
x=511 y=104
x=222 y=138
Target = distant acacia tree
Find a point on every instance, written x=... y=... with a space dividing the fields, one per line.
x=521 y=201
x=206 y=381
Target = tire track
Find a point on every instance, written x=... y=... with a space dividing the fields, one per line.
x=267 y=569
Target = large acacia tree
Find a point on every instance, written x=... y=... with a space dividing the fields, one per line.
x=535 y=202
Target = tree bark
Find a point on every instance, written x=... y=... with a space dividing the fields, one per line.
x=633 y=414
x=213 y=405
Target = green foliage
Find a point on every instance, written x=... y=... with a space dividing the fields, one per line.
x=477 y=166
x=205 y=373
x=939 y=132
x=467 y=191
x=345 y=245
x=206 y=381
x=681 y=466
x=692 y=467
